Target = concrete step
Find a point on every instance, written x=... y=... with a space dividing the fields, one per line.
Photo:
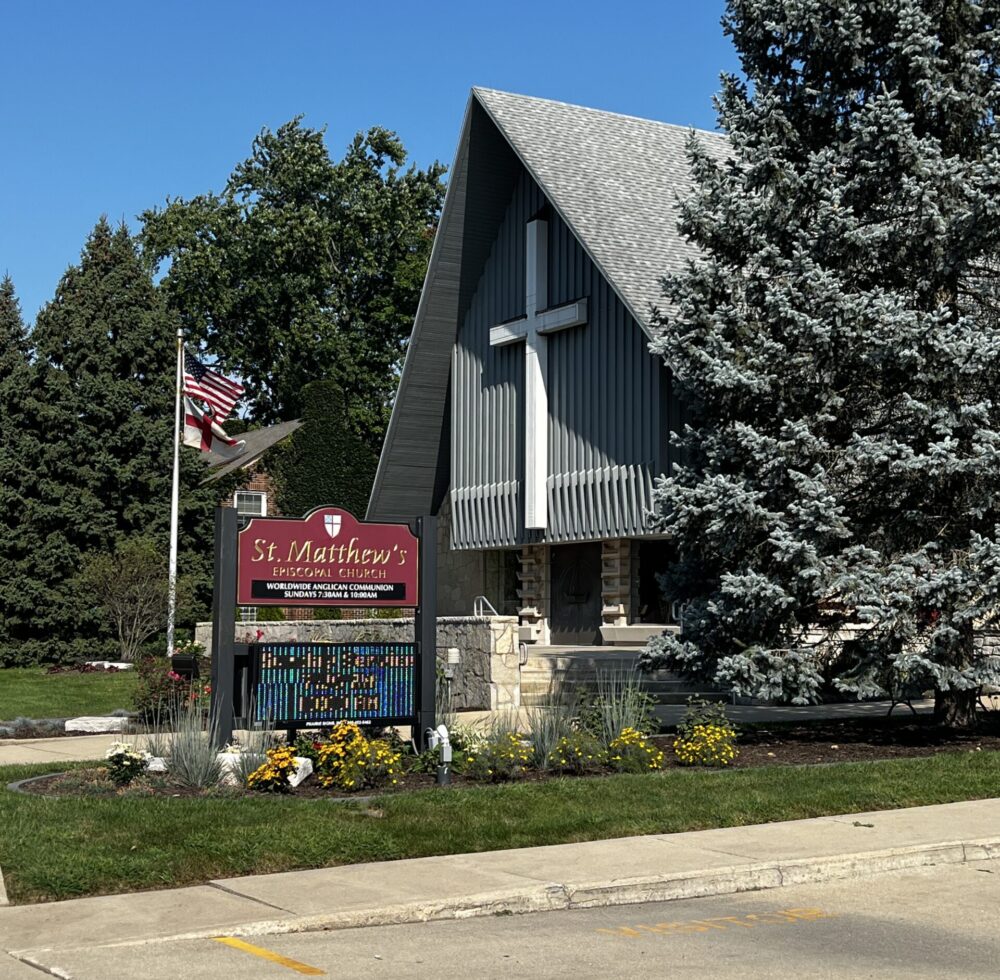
x=575 y=668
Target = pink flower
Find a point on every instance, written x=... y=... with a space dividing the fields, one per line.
x=174 y=676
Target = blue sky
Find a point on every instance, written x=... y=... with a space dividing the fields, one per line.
x=111 y=107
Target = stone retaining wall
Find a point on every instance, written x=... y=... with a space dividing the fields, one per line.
x=487 y=677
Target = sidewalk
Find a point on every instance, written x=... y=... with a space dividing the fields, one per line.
x=69 y=748
x=565 y=876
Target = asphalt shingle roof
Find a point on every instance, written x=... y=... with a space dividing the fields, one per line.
x=615 y=180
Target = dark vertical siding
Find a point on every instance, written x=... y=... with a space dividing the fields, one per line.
x=608 y=399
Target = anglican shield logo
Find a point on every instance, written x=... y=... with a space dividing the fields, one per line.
x=332 y=524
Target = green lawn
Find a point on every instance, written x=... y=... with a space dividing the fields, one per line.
x=63 y=848
x=29 y=692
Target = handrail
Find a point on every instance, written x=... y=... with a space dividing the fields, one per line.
x=480 y=604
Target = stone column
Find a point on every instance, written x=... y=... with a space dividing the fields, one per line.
x=616 y=582
x=535 y=594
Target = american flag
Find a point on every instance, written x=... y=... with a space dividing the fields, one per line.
x=201 y=431
x=201 y=382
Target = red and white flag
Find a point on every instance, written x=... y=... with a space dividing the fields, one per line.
x=213 y=389
x=201 y=431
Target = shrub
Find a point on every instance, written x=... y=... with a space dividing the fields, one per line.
x=273 y=775
x=632 y=751
x=499 y=759
x=706 y=745
x=367 y=765
x=124 y=763
x=705 y=736
x=351 y=762
x=159 y=691
x=333 y=750
x=618 y=703
x=577 y=753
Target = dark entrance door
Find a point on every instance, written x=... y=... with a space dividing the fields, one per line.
x=576 y=594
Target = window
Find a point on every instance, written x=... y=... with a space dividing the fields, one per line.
x=250 y=503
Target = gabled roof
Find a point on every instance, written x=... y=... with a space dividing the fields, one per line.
x=614 y=180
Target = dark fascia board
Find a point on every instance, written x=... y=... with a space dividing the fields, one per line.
x=448 y=239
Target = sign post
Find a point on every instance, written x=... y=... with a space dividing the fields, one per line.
x=223 y=626
x=425 y=627
x=327 y=558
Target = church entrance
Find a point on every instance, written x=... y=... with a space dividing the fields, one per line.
x=655 y=558
x=576 y=594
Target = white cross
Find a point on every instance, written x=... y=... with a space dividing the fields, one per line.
x=532 y=329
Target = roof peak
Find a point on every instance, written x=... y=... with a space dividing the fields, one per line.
x=478 y=90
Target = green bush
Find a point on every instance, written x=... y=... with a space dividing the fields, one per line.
x=499 y=759
x=633 y=752
x=705 y=736
x=125 y=763
x=577 y=753
x=159 y=690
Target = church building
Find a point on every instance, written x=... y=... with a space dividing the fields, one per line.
x=531 y=416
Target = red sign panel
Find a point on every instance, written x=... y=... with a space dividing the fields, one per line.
x=327 y=558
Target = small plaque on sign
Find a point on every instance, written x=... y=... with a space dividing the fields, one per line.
x=327 y=558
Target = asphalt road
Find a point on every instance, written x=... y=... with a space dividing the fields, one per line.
x=938 y=923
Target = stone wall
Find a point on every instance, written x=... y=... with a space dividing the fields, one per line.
x=461 y=574
x=487 y=677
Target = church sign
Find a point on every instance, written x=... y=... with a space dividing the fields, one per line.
x=327 y=558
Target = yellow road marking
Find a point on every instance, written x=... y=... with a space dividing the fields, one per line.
x=267 y=954
x=721 y=923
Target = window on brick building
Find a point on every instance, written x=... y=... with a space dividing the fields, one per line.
x=250 y=503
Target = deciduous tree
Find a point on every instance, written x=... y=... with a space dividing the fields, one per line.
x=305 y=269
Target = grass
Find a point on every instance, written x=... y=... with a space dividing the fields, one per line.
x=63 y=848
x=29 y=692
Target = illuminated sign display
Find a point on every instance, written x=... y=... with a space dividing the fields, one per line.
x=327 y=558
x=315 y=685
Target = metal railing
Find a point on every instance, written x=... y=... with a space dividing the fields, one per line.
x=481 y=606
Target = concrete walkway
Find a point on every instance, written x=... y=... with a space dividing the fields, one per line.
x=84 y=747
x=586 y=875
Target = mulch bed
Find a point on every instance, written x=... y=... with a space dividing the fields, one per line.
x=812 y=743
x=855 y=740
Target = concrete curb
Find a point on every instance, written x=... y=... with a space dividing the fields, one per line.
x=3 y=891
x=554 y=896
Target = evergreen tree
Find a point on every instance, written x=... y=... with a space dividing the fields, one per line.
x=94 y=468
x=18 y=412
x=324 y=462
x=839 y=358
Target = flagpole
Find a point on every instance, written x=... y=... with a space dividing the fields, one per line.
x=175 y=497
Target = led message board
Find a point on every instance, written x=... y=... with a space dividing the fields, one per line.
x=315 y=685
x=327 y=558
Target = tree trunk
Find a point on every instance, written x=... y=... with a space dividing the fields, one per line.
x=956 y=709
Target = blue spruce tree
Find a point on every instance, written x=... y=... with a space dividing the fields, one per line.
x=836 y=518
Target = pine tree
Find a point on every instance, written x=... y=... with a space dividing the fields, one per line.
x=18 y=415
x=840 y=360
x=102 y=385
x=324 y=462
